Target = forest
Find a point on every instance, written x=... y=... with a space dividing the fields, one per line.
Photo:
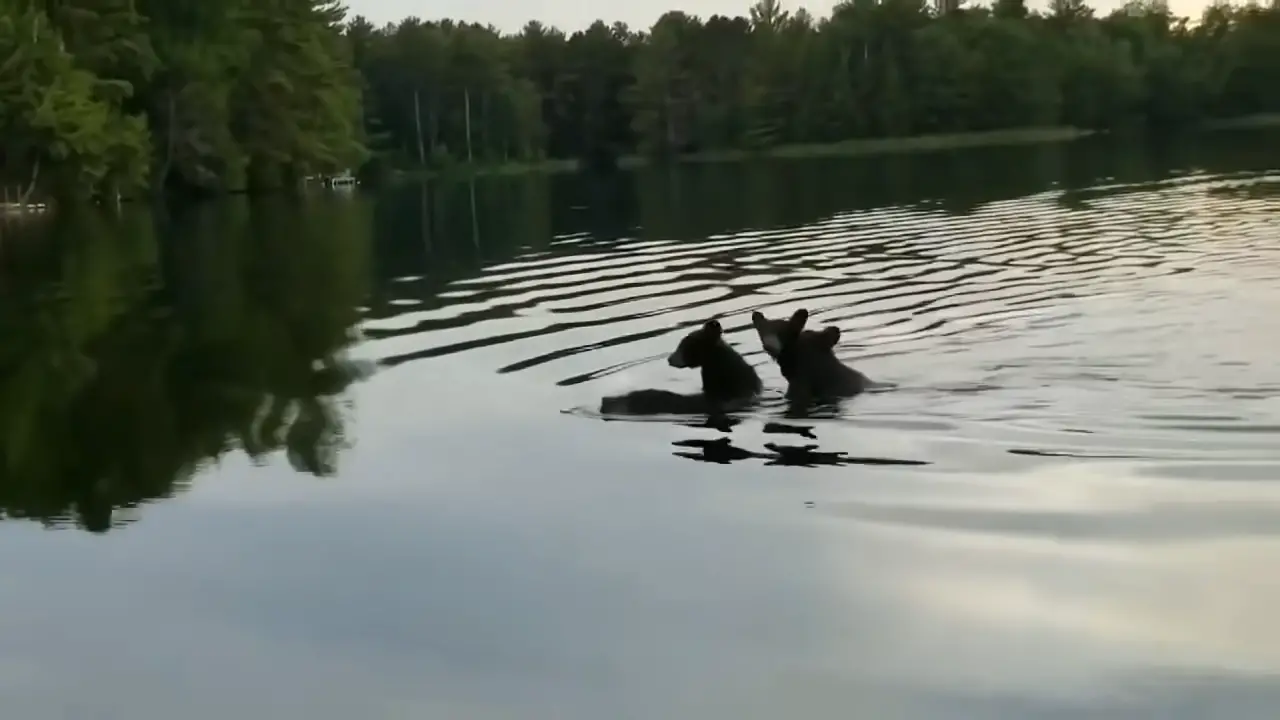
x=104 y=96
x=120 y=95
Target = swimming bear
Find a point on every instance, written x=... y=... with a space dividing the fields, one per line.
x=807 y=358
x=728 y=381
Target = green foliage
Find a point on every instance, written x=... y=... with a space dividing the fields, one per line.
x=217 y=95
x=871 y=69
x=58 y=116
x=99 y=96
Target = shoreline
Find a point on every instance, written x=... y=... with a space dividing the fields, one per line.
x=860 y=147
x=898 y=145
x=1244 y=122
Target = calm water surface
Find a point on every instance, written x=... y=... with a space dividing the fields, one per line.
x=1070 y=504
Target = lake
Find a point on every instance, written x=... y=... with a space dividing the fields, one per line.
x=341 y=457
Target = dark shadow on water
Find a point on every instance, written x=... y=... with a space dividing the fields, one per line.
x=777 y=428
x=719 y=450
x=1033 y=452
x=722 y=451
x=827 y=410
x=723 y=423
x=138 y=350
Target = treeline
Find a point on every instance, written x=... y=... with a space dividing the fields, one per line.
x=106 y=96
x=440 y=92
x=99 y=96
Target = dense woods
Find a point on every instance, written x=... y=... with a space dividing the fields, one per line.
x=871 y=69
x=122 y=95
x=106 y=95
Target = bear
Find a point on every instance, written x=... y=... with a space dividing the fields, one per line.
x=807 y=358
x=729 y=382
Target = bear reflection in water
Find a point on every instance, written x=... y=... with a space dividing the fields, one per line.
x=722 y=451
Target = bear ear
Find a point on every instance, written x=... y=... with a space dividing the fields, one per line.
x=830 y=335
x=797 y=321
x=713 y=328
x=757 y=318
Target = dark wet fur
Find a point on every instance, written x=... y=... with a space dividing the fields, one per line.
x=656 y=402
x=728 y=380
x=807 y=358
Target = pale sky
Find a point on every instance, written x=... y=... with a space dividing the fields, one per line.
x=570 y=15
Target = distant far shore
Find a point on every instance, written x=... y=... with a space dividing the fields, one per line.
x=846 y=148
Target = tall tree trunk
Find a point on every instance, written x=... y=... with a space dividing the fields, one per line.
x=466 y=99
x=31 y=186
x=424 y=198
x=486 y=140
x=433 y=124
x=166 y=162
x=475 y=221
x=417 y=121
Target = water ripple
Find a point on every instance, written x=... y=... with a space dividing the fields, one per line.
x=1083 y=323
